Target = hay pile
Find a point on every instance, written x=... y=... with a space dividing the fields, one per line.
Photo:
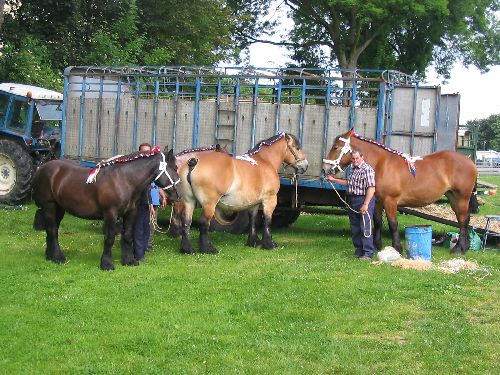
x=450 y=266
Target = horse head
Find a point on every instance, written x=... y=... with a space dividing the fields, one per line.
x=339 y=155
x=167 y=177
x=294 y=155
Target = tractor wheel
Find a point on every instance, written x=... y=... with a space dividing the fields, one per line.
x=229 y=221
x=16 y=172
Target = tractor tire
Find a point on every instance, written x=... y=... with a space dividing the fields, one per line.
x=16 y=172
x=236 y=222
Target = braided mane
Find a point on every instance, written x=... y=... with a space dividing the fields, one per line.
x=119 y=160
x=266 y=142
x=409 y=160
x=196 y=149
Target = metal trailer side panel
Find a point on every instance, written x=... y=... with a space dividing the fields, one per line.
x=447 y=130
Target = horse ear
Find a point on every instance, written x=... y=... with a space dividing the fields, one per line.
x=170 y=155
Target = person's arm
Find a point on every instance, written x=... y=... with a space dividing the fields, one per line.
x=336 y=180
x=163 y=198
x=368 y=197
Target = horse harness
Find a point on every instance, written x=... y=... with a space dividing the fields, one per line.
x=344 y=150
x=163 y=170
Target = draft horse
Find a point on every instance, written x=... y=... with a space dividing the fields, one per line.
x=410 y=182
x=110 y=191
x=181 y=158
x=216 y=179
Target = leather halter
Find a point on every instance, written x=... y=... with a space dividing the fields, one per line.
x=163 y=169
x=288 y=147
x=344 y=150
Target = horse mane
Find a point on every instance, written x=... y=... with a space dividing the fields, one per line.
x=407 y=158
x=120 y=160
x=267 y=142
x=199 y=149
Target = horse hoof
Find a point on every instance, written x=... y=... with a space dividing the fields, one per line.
x=254 y=243
x=211 y=250
x=132 y=262
x=269 y=246
x=107 y=267
x=456 y=251
x=187 y=251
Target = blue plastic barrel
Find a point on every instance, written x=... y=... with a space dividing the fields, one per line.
x=418 y=239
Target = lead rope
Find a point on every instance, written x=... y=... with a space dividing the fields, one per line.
x=153 y=219
x=365 y=234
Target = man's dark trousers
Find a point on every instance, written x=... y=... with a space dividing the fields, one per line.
x=141 y=231
x=363 y=245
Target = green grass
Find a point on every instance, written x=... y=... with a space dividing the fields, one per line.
x=307 y=307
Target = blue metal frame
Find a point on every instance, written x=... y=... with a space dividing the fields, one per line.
x=276 y=85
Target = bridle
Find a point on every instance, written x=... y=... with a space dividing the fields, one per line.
x=163 y=170
x=288 y=147
x=344 y=150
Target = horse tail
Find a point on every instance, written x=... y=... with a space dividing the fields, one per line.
x=473 y=203
x=191 y=164
x=39 y=221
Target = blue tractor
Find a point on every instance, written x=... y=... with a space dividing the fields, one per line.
x=30 y=123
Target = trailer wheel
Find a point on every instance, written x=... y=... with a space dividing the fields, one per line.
x=16 y=171
x=236 y=222
x=284 y=218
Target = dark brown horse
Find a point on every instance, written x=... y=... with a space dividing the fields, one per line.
x=410 y=182
x=110 y=192
x=243 y=183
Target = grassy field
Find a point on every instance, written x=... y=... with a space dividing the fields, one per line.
x=308 y=307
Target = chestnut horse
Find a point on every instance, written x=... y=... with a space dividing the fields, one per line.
x=410 y=182
x=181 y=158
x=216 y=179
x=61 y=185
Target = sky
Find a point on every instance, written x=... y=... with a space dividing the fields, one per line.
x=479 y=96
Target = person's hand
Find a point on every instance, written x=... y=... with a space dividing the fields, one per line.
x=151 y=209
x=363 y=209
x=330 y=178
x=164 y=202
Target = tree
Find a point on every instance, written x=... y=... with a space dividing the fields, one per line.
x=488 y=133
x=407 y=35
x=187 y=32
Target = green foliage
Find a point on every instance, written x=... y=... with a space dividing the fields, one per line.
x=396 y=34
x=488 y=133
x=30 y=64
x=307 y=307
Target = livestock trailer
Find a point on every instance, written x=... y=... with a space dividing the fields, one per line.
x=111 y=110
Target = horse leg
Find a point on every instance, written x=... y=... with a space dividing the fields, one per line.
x=391 y=209
x=109 y=240
x=127 y=239
x=205 y=244
x=175 y=229
x=253 y=240
x=460 y=205
x=53 y=215
x=377 y=225
x=187 y=218
x=268 y=207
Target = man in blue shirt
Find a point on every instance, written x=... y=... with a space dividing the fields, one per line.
x=158 y=197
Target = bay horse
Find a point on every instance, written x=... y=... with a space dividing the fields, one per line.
x=410 y=182
x=216 y=179
x=110 y=191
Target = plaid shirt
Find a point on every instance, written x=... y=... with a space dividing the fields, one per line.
x=361 y=179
